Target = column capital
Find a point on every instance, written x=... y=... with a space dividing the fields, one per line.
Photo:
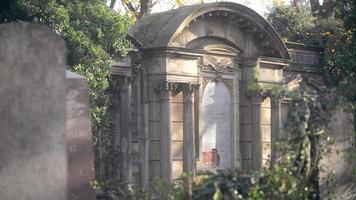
x=257 y=93
x=256 y=97
x=189 y=87
x=166 y=86
x=124 y=82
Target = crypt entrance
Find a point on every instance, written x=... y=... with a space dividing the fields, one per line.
x=190 y=104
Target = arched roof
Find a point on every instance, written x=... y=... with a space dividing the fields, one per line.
x=159 y=29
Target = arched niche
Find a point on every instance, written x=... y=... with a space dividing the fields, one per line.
x=216 y=132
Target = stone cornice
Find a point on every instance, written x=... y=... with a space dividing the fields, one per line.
x=173 y=52
x=275 y=62
x=301 y=46
x=182 y=52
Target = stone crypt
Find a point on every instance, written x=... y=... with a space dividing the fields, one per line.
x=183 y=99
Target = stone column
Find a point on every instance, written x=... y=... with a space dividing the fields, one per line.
x=189 y=134
x=256 y=131
x=165 y=89
x=144 y=142
x=125 y=128
x=189 y=128
x=276 y=125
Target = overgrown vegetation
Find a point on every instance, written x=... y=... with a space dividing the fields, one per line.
x=294 y=175
x=335 y=33
x=96 y=35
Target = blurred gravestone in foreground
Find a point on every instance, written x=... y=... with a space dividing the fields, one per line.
x=33 y=156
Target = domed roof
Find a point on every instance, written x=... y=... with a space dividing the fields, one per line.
x=159 y=29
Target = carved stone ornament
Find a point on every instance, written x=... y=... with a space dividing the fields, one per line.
x=189 y=87
x=166 y=85
x=294 y=82
x=218 y=64
x=315 y=84
x=124 y=82
x=206 y=81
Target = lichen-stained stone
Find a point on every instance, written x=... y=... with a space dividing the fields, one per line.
x=177 y=150
x=182 y=67
x=265 y=116
x=154 y=150
x=266 y=133
x=177 y=112
x=177 y=169
x=155 y=168
x=33 y=154
x=245 y=116
x=245 y=132
x=177 y=131
x=79 y=139
x=246 y=150
x=339 y=161
x=154 y=129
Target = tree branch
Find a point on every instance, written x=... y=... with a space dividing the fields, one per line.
x=112 y=4
x=130 y=7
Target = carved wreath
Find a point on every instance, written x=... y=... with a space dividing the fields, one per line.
x=221 y=65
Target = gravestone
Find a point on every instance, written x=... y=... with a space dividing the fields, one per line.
x=33 y=156
x=216 y=116
x=79 y=139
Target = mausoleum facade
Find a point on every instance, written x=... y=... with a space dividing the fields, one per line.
x=184 y=98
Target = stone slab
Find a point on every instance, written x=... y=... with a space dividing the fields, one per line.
x=33 y=162
x=79 y=139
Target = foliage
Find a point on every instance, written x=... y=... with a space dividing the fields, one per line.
x=278 y=184
x=221 y=185
x=335 y=34
x=292 y=23
x=138 y=8
x=159 y=189
x=340 y=50
x=94 y=34
x=295 y=175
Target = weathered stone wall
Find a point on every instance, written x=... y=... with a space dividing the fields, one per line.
x=338 y=163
